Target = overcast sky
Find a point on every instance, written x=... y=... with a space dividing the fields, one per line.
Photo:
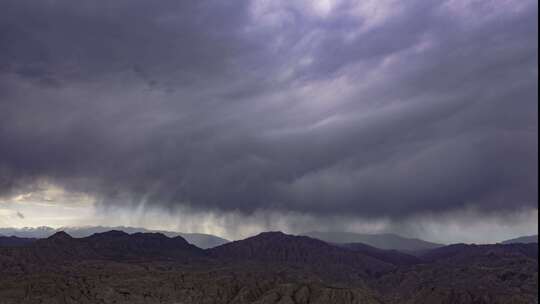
x=233 y=117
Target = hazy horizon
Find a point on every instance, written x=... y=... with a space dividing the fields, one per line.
x=108 y=228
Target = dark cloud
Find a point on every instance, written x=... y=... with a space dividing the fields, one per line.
x=395 y=110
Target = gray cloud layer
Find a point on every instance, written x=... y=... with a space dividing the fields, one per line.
x=383 y=109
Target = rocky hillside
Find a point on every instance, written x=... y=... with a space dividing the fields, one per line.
x=467 y=274
x=112 y=245
x=302 y=251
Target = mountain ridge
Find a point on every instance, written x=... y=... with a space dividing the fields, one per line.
x=200 y=240
x=114 y=245
x=278 y=247
x=387 y=241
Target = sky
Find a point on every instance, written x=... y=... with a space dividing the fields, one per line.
x=234 y=117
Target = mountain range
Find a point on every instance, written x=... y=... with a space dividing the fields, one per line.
x=272 y=267
x=385 y=241
x=200 y=240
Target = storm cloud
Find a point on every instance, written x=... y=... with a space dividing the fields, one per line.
x=378 y=109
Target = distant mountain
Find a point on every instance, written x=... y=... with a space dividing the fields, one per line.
x=381 y=241
x=394 y=257
x=523 y=239
x=29 y=232
x=303 y=251
x=200 y=240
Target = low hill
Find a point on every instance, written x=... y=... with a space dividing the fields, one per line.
x=280 y=248
x=522 y=239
